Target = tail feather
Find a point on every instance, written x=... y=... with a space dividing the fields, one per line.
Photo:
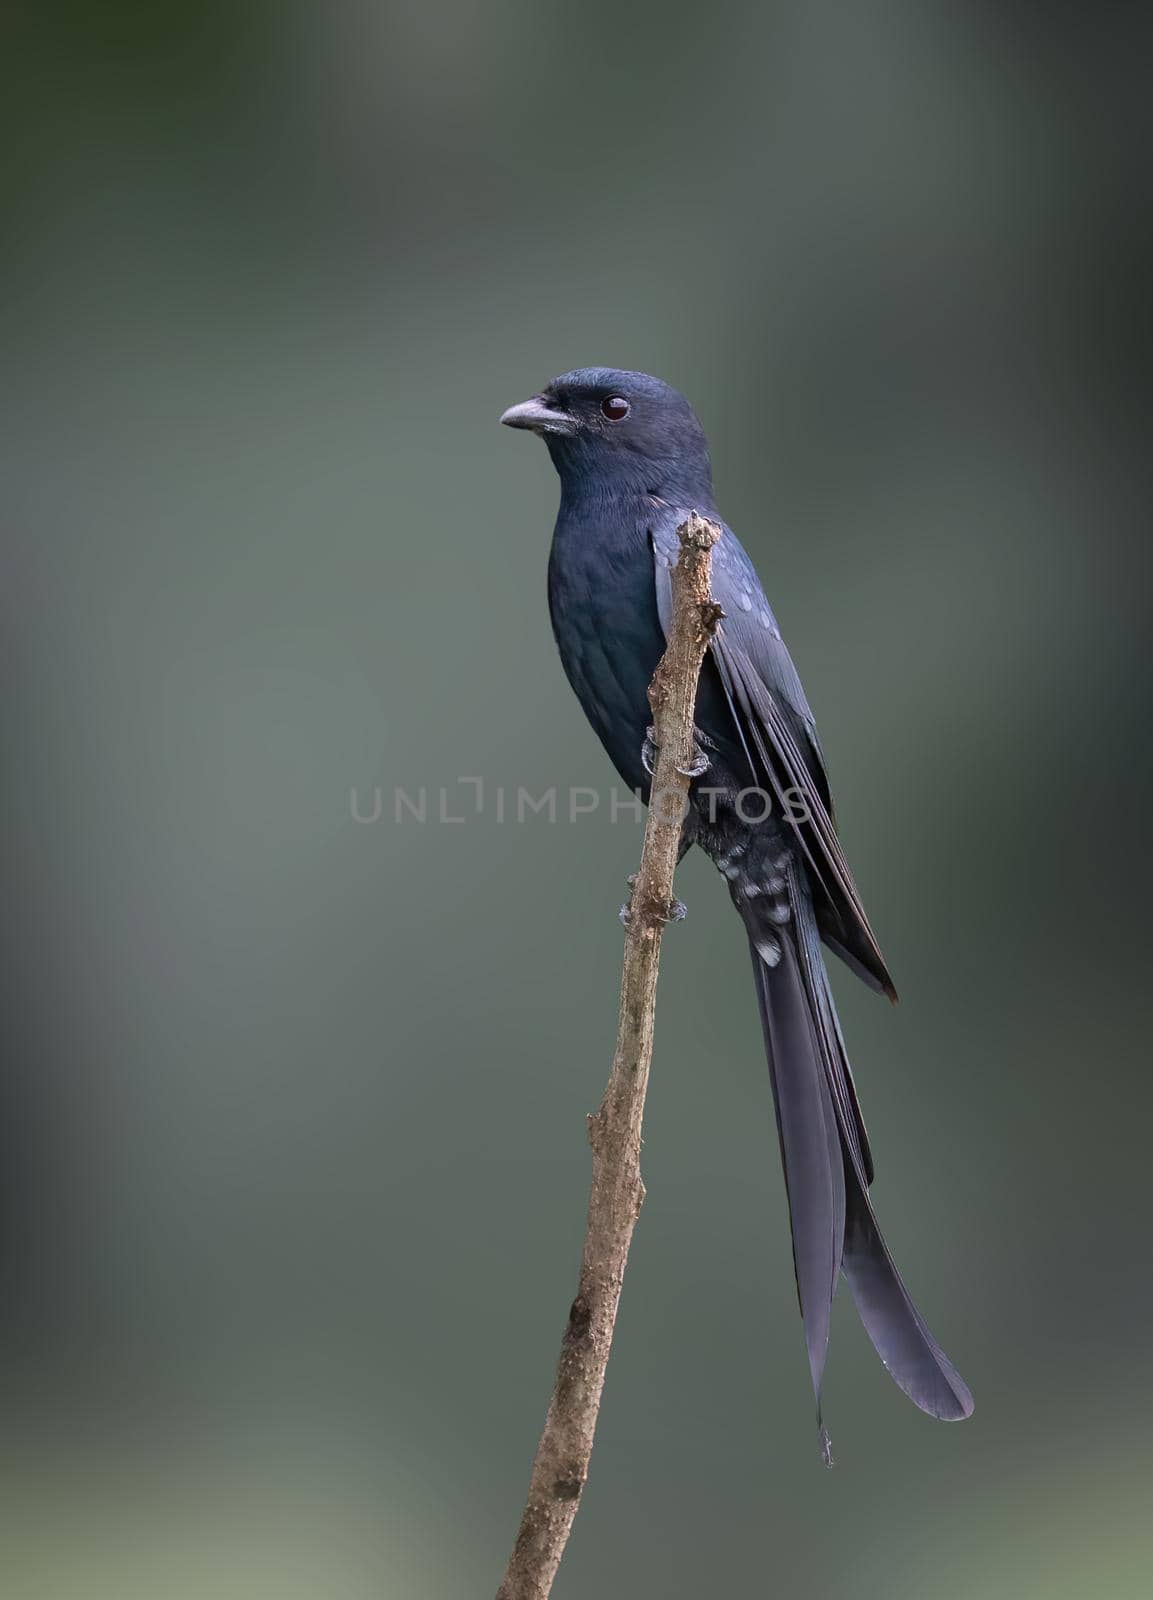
x=827 y=1173
x=911 y=1356
x=810 y=1147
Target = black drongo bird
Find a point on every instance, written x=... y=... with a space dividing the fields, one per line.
x=633 y=461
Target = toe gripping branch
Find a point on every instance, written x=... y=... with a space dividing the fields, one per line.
x=676 y=911
x=650 y=751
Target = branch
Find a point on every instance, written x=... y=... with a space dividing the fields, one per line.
x=562 y=1458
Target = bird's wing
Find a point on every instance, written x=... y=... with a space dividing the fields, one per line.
x=776 y=728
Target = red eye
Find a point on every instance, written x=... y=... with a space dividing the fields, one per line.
x=615 y=408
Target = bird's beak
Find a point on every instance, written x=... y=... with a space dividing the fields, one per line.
x=539 y=417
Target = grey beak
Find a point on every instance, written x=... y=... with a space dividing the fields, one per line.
x=538 y=417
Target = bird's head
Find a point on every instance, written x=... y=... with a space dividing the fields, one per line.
x=620 y=429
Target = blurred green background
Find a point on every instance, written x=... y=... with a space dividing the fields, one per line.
x=292 y=1161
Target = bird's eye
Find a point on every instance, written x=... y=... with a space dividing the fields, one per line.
x=616 y=408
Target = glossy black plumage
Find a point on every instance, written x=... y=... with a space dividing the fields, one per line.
x=629 y=475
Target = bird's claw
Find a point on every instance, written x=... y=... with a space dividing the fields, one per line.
x=677 y=910
x=698 y=766
x=651 y=750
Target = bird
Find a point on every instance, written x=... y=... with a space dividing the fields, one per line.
x=633 y=463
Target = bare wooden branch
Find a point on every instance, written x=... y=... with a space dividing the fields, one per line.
x=562 y=1459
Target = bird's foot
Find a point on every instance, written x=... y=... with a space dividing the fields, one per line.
x=650 y=752
x=677 y=911
x=698 y=766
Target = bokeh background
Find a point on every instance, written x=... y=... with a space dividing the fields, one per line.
x=292 y=1161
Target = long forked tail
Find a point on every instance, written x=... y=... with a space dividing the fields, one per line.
x=827 y=1171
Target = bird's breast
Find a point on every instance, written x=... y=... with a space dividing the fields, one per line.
x=602 y=600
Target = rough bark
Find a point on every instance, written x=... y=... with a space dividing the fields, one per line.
x=562 y=1459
